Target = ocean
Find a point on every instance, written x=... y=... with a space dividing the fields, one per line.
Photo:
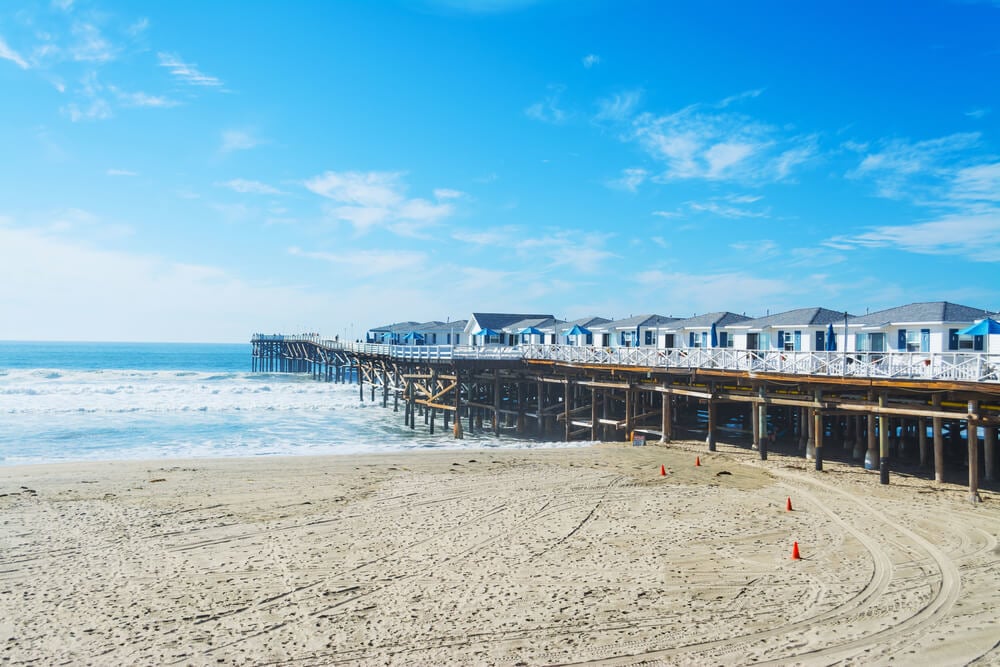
x=62 y=402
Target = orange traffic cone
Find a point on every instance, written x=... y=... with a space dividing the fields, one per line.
x=697 y=460
x=795 y=551
x=663 y=471
x=788 y=505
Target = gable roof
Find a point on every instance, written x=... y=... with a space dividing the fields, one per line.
x=585 y=322
x=797 y=317
x=402 y=327
x=928 y=311
x=545 y=324
x=498 y=321
x=637 y=321
x=719 y=319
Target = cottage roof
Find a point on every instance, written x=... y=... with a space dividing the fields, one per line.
x=398 y=326
x=928 y=311
x=799 y=317
x=719 y=319
x=435 y=325
x=498 y=321
x=585 y=322
x=546 y=324
x=638 y=321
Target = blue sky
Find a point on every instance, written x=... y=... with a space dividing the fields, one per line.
x=200 y=171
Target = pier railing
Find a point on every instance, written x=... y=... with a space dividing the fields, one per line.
x=954 y=366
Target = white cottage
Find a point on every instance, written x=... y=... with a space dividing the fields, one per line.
x=931 y=326
x=802 y=329
x=697 y=331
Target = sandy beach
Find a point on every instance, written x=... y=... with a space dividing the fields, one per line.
x=515 y=557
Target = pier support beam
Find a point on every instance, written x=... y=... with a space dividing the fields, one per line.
x=762 y=436
x=989 y=450
x=818 y=430
x=883 y=443
x=937 y=428
x=710 y=439
x=665 y=425
x=972 y=435
x=458 y=406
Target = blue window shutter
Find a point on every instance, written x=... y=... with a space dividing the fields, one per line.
x=724 y=339
x=781 y=340
x=798 y=341
x=925 y=340
x=901 y=341
x=952 y=339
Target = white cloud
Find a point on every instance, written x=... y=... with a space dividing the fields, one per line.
x=630 y=179
x=140 y=99
x=583 y=252
x=187 y=72
x=7 y=53
x=250 y=187
x=493 y=236
x=238 y=140
x=667 y=214
x=369 y=199
x=974 y=236
x=731 y=206
x=710 y=142
x=97 y=109
x=619 y=106
x=899 y=167
x=976 y=183
x=64 y=5
x=590 y=60
x=138 y=27
x=978 y=112
x=446 y=193
x=548 y=111
x=707 y=292
x=121 y=172
x=369 y=262
x=138 y=297
x=90 y=45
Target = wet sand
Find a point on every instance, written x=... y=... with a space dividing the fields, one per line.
x=497 y=557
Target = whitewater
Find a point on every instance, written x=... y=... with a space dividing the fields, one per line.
x=115 y=402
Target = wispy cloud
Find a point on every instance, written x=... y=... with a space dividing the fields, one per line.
x=368 y=262
x=238 y=140
x=619 y=106
x=711 y=142
x=901 y=168
x=140 y=99
x=590 y=60
x=940 y=175
x=7 y=53
x=585 y=253
x=975 y=236
x=447 y=193
x=245 y=186
x=138 y=27
x=187 y=72
x=730 y=206
x=121 y=172
x=548 y=110
x=89 y=45
x=97 y=109
x=370 y=199
x=630 y=179
x=978 y=112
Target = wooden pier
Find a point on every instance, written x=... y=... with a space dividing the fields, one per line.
x=876 y=410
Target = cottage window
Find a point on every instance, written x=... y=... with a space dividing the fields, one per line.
x=668 y=340
x=753 y=341
x=870 y=342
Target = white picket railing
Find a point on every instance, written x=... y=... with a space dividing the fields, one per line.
x=958 y=366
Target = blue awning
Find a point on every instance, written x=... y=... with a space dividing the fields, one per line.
x=577 y=330
x=987 y=326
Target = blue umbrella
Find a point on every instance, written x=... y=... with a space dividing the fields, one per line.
x=831 y=338
x=715 y=336
x=987 y=326
x=487 y=332
x=577 y=330
x=414 y=336
x=531 y=331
